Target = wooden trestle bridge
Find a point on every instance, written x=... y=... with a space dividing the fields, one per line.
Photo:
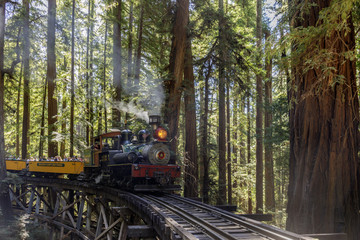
x=87 y=211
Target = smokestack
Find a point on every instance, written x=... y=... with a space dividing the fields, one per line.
x=154 y=121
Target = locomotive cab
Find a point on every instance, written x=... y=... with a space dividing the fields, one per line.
x=104 y=147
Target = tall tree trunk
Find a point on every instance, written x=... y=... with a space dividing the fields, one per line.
x=250 y=206
x=87 y=75
x=174 y=84
x=139 y=47
x=42 y=124
x=104 y=78
x=63 y=127
x=63 y=107
x=222 y=122
x=51 y=76
x=117 y=67
x=235 y=149
x=259 y=114
x=72 y=94
x=18 y=113
x=130 y=47
x=228 y=146
x=191 y=161
x=5 y=203
x=324 y=117
x=26 y=59
x=269 y=162
x=204 y=138
x=91 y=74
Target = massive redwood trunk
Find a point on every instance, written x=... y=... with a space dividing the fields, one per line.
x=269 y=161
x=72 y=100
x=117 y=81
x=191 y=161
x=324 y=120
x=51 y=76
x=222 y=121
x=26 y=60
x=5 y=202
x=259 y=115
x=176 y=70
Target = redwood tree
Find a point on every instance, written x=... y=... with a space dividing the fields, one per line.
x=269 y=162
x=51 y=76
x=222 y=122
x=259 y=114
x=191 y=161
x=324 y=120
x=117 y=61
x=72 y=100
x=173 y=85
x=5 y=203
x=26 y=60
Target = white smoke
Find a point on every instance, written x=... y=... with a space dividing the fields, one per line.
x=132 y=108
x=149 y=97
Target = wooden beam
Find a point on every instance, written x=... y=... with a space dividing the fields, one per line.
x=17 y=200
x=108 y=229
x=229 y=208
x=257 y=217
x=80 y=213
x=140 y=231
x=327 y=236
x=30 y=206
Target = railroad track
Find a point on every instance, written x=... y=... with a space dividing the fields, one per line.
x=190 y=219
x=175 y=217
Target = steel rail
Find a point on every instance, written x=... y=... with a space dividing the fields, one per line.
x=177 y=228
x=207 y=227
x=264 y=229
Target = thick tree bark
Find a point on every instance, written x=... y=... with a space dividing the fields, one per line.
x=204 y=139
x=139 y=47
x=63 y=127
x=324 y=119
x=17 y=154
x=228 y=146
x=5 y=203
x=130 y=47
x=63 y=109
x=234 y=169
x=117 y=61
x=42 y=123
x=191 y=161
x=91 y=75
x=26 y=96
x=104 y=78
x=72 y=93
x=259 y=115
x=269 y=162
x=87 y=74
x=250 y=205
x=222 y=122
x=173 y=85
x=51 y=76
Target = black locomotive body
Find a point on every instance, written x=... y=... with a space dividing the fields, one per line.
x=140 y=162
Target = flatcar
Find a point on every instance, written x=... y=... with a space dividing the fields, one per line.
x=141 y=162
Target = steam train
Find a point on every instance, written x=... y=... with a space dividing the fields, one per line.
x=141 y=162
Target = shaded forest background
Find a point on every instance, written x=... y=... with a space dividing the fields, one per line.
x=219 y=72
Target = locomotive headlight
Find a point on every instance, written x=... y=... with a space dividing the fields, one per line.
x=161 y=134
x=160 y=155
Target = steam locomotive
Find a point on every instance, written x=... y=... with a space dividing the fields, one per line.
x=141 y=162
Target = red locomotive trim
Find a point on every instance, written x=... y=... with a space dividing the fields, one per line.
x=145 y=170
